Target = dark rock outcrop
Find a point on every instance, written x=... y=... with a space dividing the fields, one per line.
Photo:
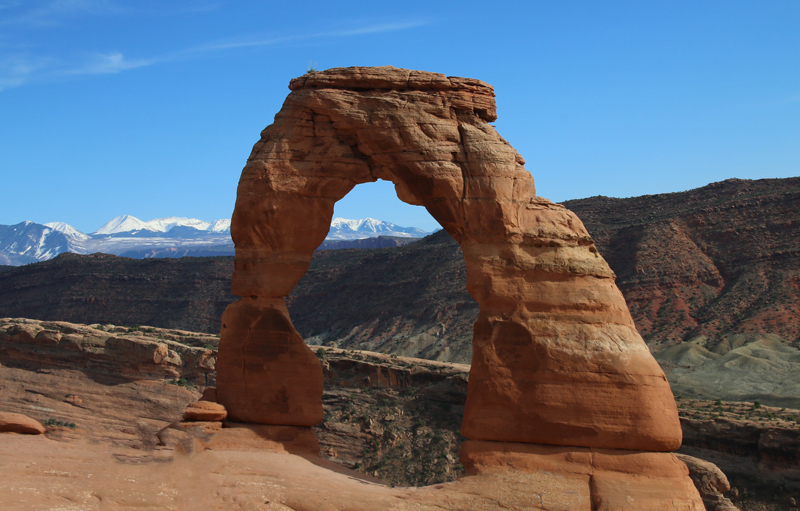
x=187 y=294
x=710 y=481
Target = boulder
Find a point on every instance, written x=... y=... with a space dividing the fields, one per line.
x=710 y=481
x=205 y=411
x=18 y=423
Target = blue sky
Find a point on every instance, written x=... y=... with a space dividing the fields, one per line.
x=111 y=107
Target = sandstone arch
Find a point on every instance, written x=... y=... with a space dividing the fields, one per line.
x=557 y=359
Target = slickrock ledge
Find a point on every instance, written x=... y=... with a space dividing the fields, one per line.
x=121 y=352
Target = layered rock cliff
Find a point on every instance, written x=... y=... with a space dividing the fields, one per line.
x=717 y=260
x=108 y=352
x=188 y=293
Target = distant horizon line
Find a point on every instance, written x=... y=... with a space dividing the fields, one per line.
x=50 y=224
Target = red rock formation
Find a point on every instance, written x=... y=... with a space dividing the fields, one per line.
x=557 y=359
x=269 y=376
x=18 y=423
x=608 y=479
x=205 y=411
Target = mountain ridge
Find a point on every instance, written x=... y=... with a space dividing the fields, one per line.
x=171 y=237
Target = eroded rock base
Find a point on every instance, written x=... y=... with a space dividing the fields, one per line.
x=586 y=478
x=254 y=437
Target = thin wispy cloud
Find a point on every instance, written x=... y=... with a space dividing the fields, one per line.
x=8 y=4
x=19 y=69
x=54 y=12
x=249 y=43
x=109 y=63
x=15 y=71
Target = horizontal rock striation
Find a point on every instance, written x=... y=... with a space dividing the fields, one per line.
x=746 y=448
x=718 y=260
x=134 y=355
x=586 y=478
x=188 y=294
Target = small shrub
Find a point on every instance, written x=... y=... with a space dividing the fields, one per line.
x=321 y=353
x=756 y=404
x=181 y=382
x=58 y=423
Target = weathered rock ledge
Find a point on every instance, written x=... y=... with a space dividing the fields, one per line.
x=113 y=351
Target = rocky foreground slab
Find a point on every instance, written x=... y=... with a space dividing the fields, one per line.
x=115 y=441
x=390 y=424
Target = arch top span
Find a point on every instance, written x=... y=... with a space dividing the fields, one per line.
x=556 y=356
x=427 y=133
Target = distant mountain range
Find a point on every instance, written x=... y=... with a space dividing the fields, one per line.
x=171 y=227
x=344 y=229
x=126 y=235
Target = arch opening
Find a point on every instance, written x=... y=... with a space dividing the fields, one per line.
x=389 y=301
x=394 y=418
x=385 y=414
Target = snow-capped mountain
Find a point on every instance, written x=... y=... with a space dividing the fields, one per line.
x=28 y=242
x=346 y=229
x=220 y=226
x=127 y=225
x=67 y=230
x=124 y=223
